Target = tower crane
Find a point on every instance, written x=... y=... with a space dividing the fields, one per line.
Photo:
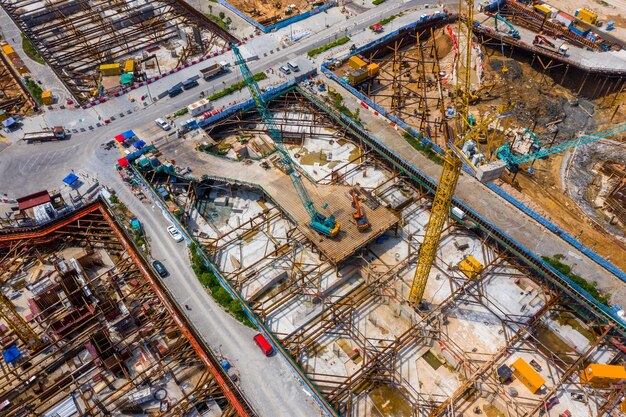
x=513 y=161
x=17 y=323
x=450 y=173
x=464 y=147
x=325 y=225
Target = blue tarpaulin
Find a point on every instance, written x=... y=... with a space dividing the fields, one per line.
x=225 y=365
x=11 y=354
x=139 y=144
x=70 y=179
x=128 y=134
x=8 y=122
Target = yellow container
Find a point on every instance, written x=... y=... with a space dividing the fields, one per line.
x=587 y=16
x=111 y=69
x=601 y=374
x=541 y=8
x=129 y=66
x=372 y=69
x=527 y=375
x=7 y=49
x=46 y=98
x=356 y=63
x=471 y=267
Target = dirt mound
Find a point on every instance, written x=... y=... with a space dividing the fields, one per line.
x=443 y=43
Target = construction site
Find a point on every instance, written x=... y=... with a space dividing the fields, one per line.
x=534 y=84
x=87 y=329
x=14 y=97
x=494 y=331
x=99 y=46
x=269 y=12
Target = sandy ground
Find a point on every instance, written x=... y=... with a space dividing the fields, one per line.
x=616 y=10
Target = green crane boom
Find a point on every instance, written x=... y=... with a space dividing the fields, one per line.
x=327 y=226
x=513 y=161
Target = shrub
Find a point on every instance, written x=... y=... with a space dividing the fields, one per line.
x=328 y=46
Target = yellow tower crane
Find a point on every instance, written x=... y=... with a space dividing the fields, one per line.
x=21 y=328
x=450 y=173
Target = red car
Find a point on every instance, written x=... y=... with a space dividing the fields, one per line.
x=263 y=344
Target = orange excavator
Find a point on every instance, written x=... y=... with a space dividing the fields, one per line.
x=359 y=216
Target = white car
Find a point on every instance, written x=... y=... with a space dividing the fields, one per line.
x=162 y=124
x=176 y=235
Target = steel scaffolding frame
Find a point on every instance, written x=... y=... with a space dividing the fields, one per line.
x=94 y=230
x=75 y=36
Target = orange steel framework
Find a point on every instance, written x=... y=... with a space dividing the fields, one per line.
x=46 y=234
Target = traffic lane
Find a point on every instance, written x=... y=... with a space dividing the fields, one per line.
x=285 y=395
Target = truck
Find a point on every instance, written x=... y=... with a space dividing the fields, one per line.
x=211 y=71
x=56 y=133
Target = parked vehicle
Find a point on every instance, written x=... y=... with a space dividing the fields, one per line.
x=187 y=84
x=284 y=69
x=293 y=66
x=160 y=268
x=162 y=124
x=263 y=344
x=211 y=71
x=56 y=133
x=175 y=234
x=174 y=91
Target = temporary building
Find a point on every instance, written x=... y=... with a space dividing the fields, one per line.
x=528 y=376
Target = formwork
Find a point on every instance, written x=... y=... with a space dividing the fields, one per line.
x=348 y=327
x=75 y=37
x=88 y=329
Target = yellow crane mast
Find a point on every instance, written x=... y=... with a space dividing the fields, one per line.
x=450 y=173
x=21 y=328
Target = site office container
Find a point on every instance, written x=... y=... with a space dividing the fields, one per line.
x=586 y=16
x=598 y=374
x=528 y=376
x=263 y=344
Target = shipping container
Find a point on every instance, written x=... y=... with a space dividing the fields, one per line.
x=199 y=107
x=129 y=66
x=542 y=9
x=600 y=374
x=578 y=29
x=587 y=16
x=356 y=63
x=528 y=376
x=565 y=18
x=111 y=69
x=46 y=98
x=8 y=50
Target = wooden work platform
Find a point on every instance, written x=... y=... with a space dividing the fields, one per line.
x=278 y=186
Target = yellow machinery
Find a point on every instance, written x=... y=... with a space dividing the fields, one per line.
x=449 y=176
x=18 y=324
x=470 y=267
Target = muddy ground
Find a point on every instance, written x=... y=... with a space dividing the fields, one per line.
x=556 y=115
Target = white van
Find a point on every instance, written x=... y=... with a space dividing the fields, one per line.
x=294 y=67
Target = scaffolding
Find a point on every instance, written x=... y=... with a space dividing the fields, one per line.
x=114 y=342
x=75 y=36
x=348 y=325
